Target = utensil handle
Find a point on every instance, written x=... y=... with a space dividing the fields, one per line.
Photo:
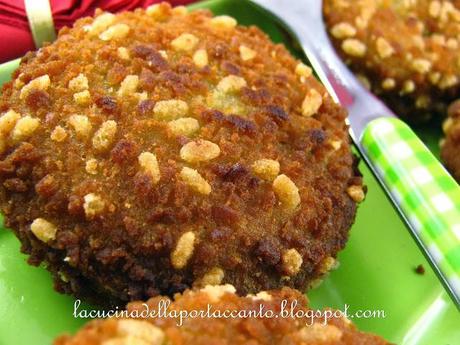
x=426 y=194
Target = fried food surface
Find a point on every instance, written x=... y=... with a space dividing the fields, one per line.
x=298 y=328
x=151 y=151
x=450 y=145
x=406 y=52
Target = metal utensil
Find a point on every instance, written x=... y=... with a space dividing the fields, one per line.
x=424 y=193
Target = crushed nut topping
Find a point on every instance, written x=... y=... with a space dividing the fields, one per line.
x=291 y=261
x=286 y=191
x=215 y=292
x=123 y=53
x=128 y=86
x=389 y=84
x=195 y=181
x=303 y=70
x=170 y=109
x=421 y=66
x=101 y=23
x=343 y=30
x=91 y=166
x=93 y=205
x=180 y=10
x=81 y=125
x=79 y=83
x=266 y=169
x=114 y=32
x=184 y=126
x=213 y=277
x=41 y=83
x=43 y=230
x=199 y=151
x=247 y=53
x=82 y=98
x=149 y=164
x=262 y=295
x=185 y=42
x=356 y=193
x=312 y=102
x=200 y=58
x=321 y=333
x=158 y=11
x=231 y=83
x=223 y=22
x=59 y=134
x=184 y=250
x=138 y=332
x=354 y=47
x=104 y=136
x=384 y=48
x=24 y=128
x=8 y=121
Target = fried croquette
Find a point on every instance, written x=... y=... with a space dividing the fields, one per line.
x=406 y=52
x=450 y=145
x=295 y=324
x=151 y=151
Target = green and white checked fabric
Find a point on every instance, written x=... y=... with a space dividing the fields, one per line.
x=425 y=192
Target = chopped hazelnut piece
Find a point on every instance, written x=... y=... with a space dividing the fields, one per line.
x=421 y=66
x=356 y=193
x=82 y=98
x=343 y=30
x=262 y=295
x=320 y=333
x=180 y=10
x=354 y=47
x=101 y=22
x=184 y=126
x=231 y=83
x=199 y=151
x=183 y=251
x=24 y=128
x=59 y=134
x=93 y=205
x=81 y=125
x=286 y=191
x=291 y=261
x=223 y=22
x=447 y=125
x=408 y=87
x=43 y=230
x=149 y=164
x=388 y=84
x=8 y=121
x=384 y=48
x=128 y=86
x=200 y=58
x=213 y=277
x=123 y=53
x=195 y=181
x=170 y=109
x=215 y=292
x=105 y=135
x=266 y=169
x=158 y=11
x=185 y=42
x=312 y=102
x=303 y=70
x=79 y=83
x=91 y=166
x=335 y=144
x=246 y=53
x=142 y=330
x=40 y=83
x=114 y=32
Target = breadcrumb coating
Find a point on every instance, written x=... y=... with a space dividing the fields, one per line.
x=297 y=329
x=167 y=149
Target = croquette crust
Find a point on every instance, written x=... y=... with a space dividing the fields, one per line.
x=450 y=145
x=406 y=52
x=299 y=329
x=122 y=202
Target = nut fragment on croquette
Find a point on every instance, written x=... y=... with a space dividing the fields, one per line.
x=306 y=326
x=189 y=152
x=44 y=230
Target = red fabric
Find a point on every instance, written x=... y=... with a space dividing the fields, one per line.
x=16 y=38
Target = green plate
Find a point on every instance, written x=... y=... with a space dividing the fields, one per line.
x=376 y=271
